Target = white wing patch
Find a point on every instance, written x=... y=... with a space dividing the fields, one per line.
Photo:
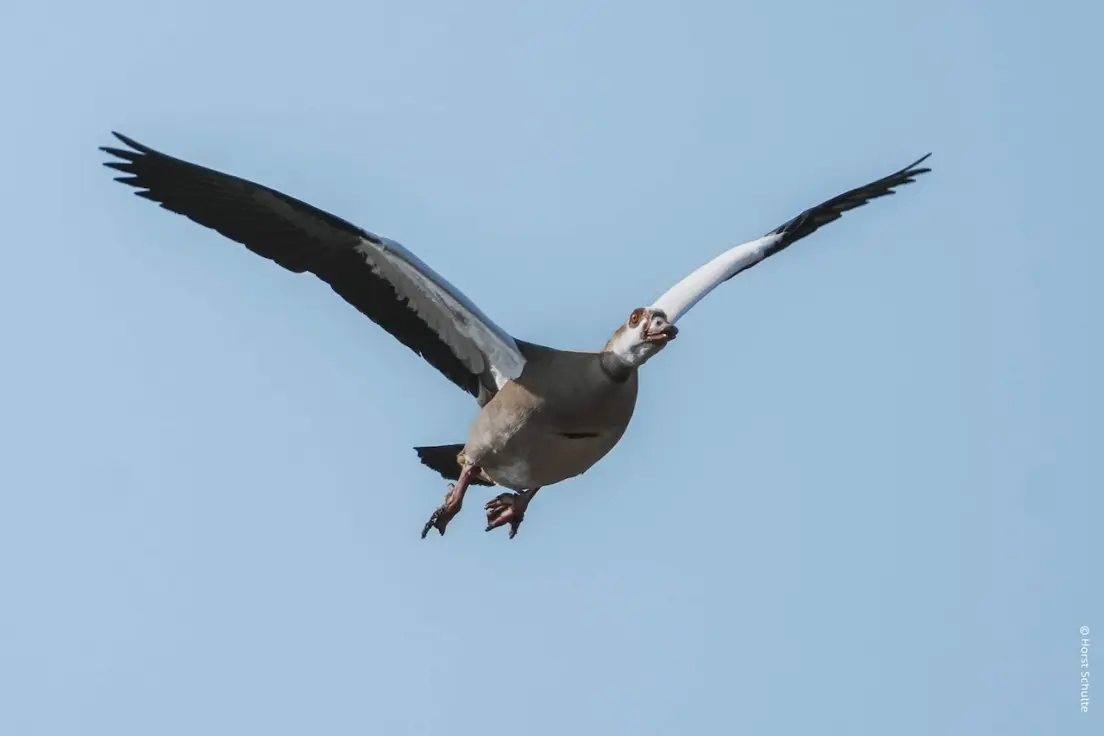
x=678 y=300
x=478 y=342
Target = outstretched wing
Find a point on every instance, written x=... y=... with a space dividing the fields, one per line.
x=685 y=294
x=378 y=276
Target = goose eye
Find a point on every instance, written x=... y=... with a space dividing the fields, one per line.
x=634 y=319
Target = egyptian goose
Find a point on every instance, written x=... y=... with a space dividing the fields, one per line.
x=545 y=415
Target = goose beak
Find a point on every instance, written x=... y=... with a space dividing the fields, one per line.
x=664 y=335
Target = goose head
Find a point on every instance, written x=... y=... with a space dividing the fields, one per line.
x=646 y=332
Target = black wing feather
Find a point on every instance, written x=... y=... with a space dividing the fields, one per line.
x=311 y=240
x=814 y=218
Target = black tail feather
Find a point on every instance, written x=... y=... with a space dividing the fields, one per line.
x=442 y=458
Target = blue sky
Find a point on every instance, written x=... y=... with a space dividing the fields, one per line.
x=859 y=494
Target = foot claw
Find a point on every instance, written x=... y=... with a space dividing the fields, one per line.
x=445 y=512
x=508 y=508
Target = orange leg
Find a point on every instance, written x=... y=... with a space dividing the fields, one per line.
x=454 y=500
x=509 y=508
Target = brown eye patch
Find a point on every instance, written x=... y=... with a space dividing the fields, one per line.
x=634 y=318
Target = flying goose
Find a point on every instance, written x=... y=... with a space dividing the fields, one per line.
x=545 y=415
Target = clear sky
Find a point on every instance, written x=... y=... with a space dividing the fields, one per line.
x=860 y=494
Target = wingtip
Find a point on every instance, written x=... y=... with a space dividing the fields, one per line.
x=127 y=140
x=917 y=162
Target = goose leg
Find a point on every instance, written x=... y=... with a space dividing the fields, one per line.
x=454 y=499
x=509 y=508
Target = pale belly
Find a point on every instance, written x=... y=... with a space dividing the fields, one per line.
x=553 y=423
x=538 y=459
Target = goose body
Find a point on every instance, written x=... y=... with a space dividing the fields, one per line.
x=553 y=422
x=545 y=415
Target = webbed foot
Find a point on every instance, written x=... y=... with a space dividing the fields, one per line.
x=509 y=508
